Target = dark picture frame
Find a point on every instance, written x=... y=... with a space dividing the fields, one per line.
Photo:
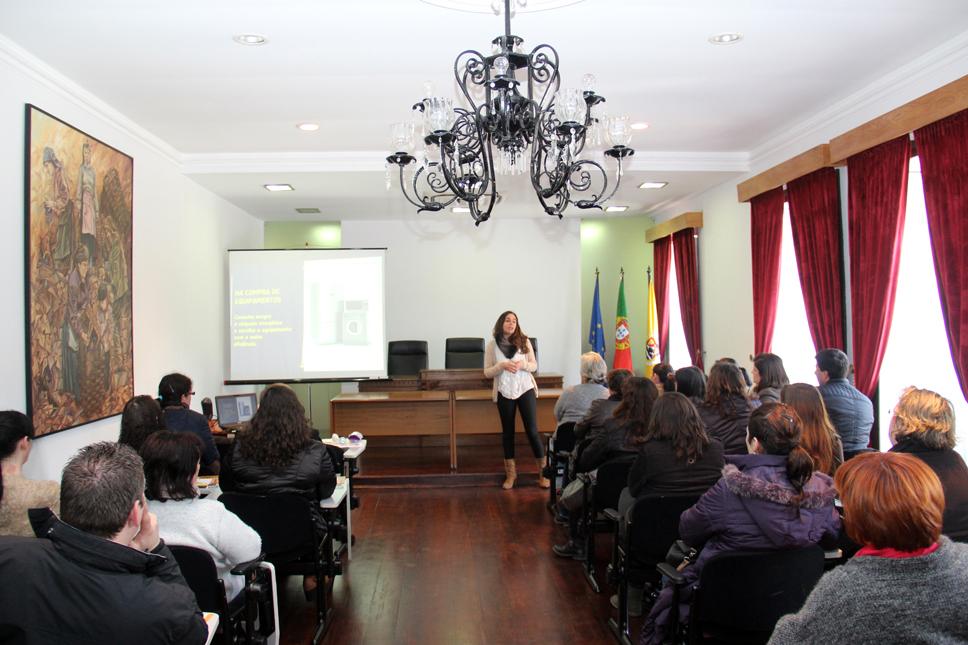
x=78 y=216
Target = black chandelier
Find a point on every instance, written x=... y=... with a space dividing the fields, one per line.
x=510 y=132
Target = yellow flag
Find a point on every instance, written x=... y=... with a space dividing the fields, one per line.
x=652 y=357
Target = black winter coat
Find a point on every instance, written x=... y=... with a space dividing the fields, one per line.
x=310 y=474
x=67 y=586
x=728 y=423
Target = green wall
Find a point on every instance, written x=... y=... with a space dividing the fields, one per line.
x=611 y=243
x=293 y=235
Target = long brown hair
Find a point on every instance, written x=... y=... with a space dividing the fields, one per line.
x=633 y=412
x=817 y=431
x=777 y=427
x=725 y=384
x=519 y=339
x=278 y=431
x=676 y=419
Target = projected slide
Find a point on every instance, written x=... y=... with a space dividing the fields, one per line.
x=307 y=314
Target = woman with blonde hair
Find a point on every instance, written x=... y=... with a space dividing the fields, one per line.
x=819 y=438
x=923 y=425
x=907 y=583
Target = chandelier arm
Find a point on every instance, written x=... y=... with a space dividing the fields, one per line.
x=425 y=203
x=475 y=71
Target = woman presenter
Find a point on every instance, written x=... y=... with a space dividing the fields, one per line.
x=509 y=360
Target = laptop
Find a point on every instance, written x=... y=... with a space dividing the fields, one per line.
x=233 y=410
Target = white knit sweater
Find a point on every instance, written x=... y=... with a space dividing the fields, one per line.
x=206 y=524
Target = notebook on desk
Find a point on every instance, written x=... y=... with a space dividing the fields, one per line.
x=233 y=410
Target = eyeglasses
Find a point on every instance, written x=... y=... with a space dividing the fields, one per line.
x=191 y=394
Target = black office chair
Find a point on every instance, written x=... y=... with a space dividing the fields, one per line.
x=740 y=595
x=560 y=445
x=249 y=618
x=406 y=357
x=463 y=353
x=649 y=528
x=290 y=541
x=598 y=495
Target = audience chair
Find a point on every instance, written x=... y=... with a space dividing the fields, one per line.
x=560 y=445
x=642 y=540
x=250 y=618
x=601 y=493
x=406 y=357
x=740 y=595
x=291 y=542
x=534 y=346
x=464 y=353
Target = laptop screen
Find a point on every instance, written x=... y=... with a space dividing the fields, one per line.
x=234 y=409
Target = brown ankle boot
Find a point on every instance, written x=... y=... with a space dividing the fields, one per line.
x=510 y=474
x=543 y=481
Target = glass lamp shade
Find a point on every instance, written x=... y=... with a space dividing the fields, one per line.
x=501 y=65
x=619 y=130
x=401 y=136
x=588 y=82
x=569 y=106
x=438 y=114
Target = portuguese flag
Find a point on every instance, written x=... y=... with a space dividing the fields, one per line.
x=623 y=342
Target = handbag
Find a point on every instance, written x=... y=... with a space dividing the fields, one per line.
x=681 y=555
x=572 y=496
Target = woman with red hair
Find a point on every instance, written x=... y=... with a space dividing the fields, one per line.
x=907 y=583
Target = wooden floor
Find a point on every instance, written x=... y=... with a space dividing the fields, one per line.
x=455 y=566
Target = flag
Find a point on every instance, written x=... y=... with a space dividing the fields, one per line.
x=652 y=357
x=596 y=333
x=623 y=342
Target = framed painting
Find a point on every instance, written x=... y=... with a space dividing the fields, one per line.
x=78 y=216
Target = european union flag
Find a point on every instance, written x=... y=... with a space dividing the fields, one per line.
x=596 y=334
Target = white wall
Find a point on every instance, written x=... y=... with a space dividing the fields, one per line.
x=447 y=278
x=181 y=233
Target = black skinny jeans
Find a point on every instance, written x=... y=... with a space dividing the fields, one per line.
x=527 y=404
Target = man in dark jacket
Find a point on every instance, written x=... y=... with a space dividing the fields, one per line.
x=850 y=412
x=101 y=574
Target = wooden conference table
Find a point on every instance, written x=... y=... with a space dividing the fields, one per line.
x=436 y=402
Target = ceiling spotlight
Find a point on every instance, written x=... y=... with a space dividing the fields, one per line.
x=726 y=38
x=460 y=209
x=307 y=211
x=616 y=209
x=640 y=125
x=250 y=39
x=277 y=188
x=645 y=185
x=308 y=127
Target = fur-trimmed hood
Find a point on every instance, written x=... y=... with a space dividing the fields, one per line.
x=749 y=486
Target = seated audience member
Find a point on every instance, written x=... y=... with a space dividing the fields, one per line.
x=20 y=493
x=175 y=391
x=660 y=376
x=690 y=382
x=907 y=584
x=769 y=499
x=850 y=412
x=628 y=422
x=726 y=410
x=675 y=457
x=171 y=475
x=101 y=574
x=923 y=425
x=574 y=402
x=769 y=377
x=601 y=410
x=747 y=381
x=141 y=417
x=820 y=440
x=623 y=430
x=277 y=453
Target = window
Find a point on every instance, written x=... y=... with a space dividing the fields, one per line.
x=791 y=334
x=678 y=350
x=917 y=347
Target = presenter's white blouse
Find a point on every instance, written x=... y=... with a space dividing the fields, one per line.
x=510 y=385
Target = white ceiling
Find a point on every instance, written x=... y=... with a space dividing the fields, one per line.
x=171 y=67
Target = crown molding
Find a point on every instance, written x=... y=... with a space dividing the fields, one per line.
x=651 y=160
x=941 y=65
x=42 y=73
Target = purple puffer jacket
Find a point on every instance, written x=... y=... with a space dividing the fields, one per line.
x=751 y=508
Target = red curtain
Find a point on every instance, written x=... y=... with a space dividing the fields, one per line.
x=815 y=223
x=687 y=274
x=766 y=235
x=877 y=197
x=943 y=149
x=661 y=259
